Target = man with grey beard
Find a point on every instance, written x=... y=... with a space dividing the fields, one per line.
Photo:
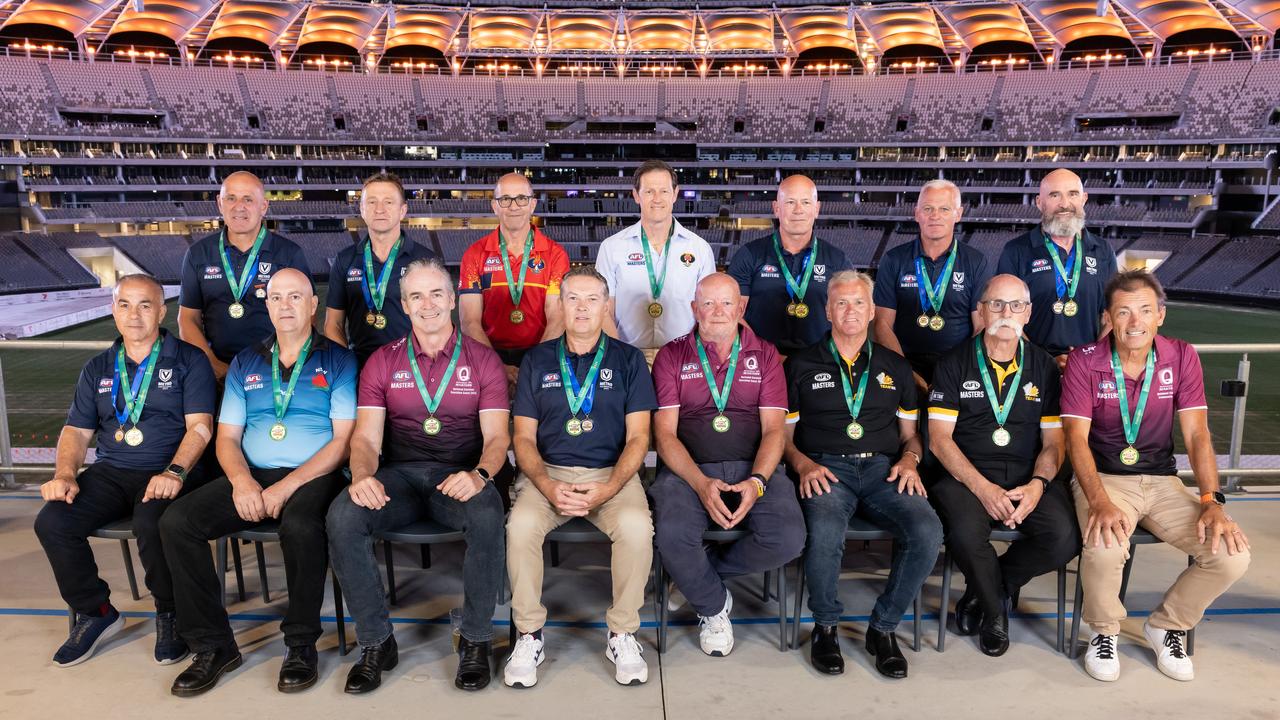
x=1065 y=265
x=994 y=425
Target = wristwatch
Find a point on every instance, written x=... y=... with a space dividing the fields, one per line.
x=1043 y=479
x=1213 y=497
x=178 y=471
x=484 y=474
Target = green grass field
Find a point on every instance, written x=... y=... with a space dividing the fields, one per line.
x=38 y=384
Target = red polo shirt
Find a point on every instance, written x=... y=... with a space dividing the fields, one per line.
x=482 y=273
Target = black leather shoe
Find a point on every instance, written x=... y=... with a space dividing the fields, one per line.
x=366 y=674
x=473 y=665
x=993 y=638
x=824 y=650
x=299 y=670
x=203 y=672
x=968 y=614
x=884 y=648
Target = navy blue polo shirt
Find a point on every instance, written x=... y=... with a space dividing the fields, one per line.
x=205 y=288
x=755 y=267
x=898 y=289
x=181 y=385
x=346 y=294
x=1027 y=257
x=623 y=386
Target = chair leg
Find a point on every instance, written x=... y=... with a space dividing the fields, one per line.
x=425 y=552
x=128 y=569
x=1128 y=567
x=780 y=592
x=795 y=617
x=511 y=630
x=915 y=622
x=338 y=613
x=660 y=601
x=1191 y=634
x=1062 y=607
x=764 y=589
x=947 y=566
x=391 y=573
x=1073 y=651
x=220 y=560
x=235 y=556
x=262 y=571
x=555 y=554
x=71 y=619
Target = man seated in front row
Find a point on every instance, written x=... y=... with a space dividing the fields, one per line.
x=581 y=432
x=722 y=400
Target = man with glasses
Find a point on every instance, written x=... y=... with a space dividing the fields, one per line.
x=653 y=266
x=363 y=308
x=286 y=420
x=783 y=275
x=1065 y=265
x=927 y=289
x=222 y=307
x=509 y=282
x=994 y=426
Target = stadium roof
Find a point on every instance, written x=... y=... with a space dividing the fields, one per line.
x=641 y=30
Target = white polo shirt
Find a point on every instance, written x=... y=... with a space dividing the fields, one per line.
x=621 y=262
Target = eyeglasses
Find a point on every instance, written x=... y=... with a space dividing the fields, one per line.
x=520 y=200
x=998 y=306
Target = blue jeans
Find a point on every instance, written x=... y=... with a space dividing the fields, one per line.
x=917 y=537
x=412 y=488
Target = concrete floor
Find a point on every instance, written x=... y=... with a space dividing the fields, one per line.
x=1237 y=651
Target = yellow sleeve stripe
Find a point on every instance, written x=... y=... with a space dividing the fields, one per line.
x=943 y=414
x=793 y=417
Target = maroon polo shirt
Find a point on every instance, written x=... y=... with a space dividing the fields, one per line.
x=479 y=384
x=758 y=382
x=1089 y=392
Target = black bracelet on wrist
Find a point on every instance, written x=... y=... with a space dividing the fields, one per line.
x=763 y=480
x=1043 y=480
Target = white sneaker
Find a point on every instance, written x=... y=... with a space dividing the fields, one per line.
x=1100 y=660
x=629 y=666
x=675 y=598
x=716 y=635
x=522 y=667
x=1171 y=653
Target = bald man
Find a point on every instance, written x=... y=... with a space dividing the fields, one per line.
x=222 y=307
x=509 y=285
x=286 y=419
x=1065 y=265
x=783 y=275
x=722 y=403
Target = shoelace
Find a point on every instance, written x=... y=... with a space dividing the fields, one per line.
x=1173 y=641
x=82 y=627
x=625 y=647
x=716 y=623
x=525 y=650
x=1106 y=646
x=166 y=629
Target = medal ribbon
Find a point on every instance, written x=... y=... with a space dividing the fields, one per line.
x=516 y=288
x=1000 y=407
x=239 y=286
x=433 y=402
x=375 y=297
x=719 y=397
x=853 y=402
x=796 y=291
x=135 y=397
x=657 y=281
x=280 y=397
x=1131 y=425
x=1066 y=288
x=930 y=291
x=581 y=397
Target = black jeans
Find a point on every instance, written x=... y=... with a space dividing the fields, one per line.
x=209 y=513
x=107 y=494
x=1051 y=537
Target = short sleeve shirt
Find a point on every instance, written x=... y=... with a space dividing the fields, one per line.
x=623 y=386
x=182 y=384
x=347 y=285
x=478 y=385
x=621 y=262
x=758 y=383
x=817 y=405
x=898 y=288
x=205 y=288
x=325 y=392
x=1027 y=257
x=755 y=267
x=482 y=274
x=1089 y=392
x=958 y=396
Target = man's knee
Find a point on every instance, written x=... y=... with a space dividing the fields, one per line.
x=347 y=519
x=633 y=528
x=54 y=522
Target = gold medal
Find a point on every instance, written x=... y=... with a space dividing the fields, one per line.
x=371 y=318
x=1070 y=308
x=655 y=309
x=236 y=310
x=1057 y=308
x=432 y=425
x=854 y=430
x=133 y=437
x=1129 y=456
x=278 y=431
x=119 y=434
x=517 y=316
x=791 y=309
x=936 y=323
x=380 y=322
x=588 y=424
x=720 y=423
x=802 y=310
x=923 y=320
x=1001 y=437
x=573 y=427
